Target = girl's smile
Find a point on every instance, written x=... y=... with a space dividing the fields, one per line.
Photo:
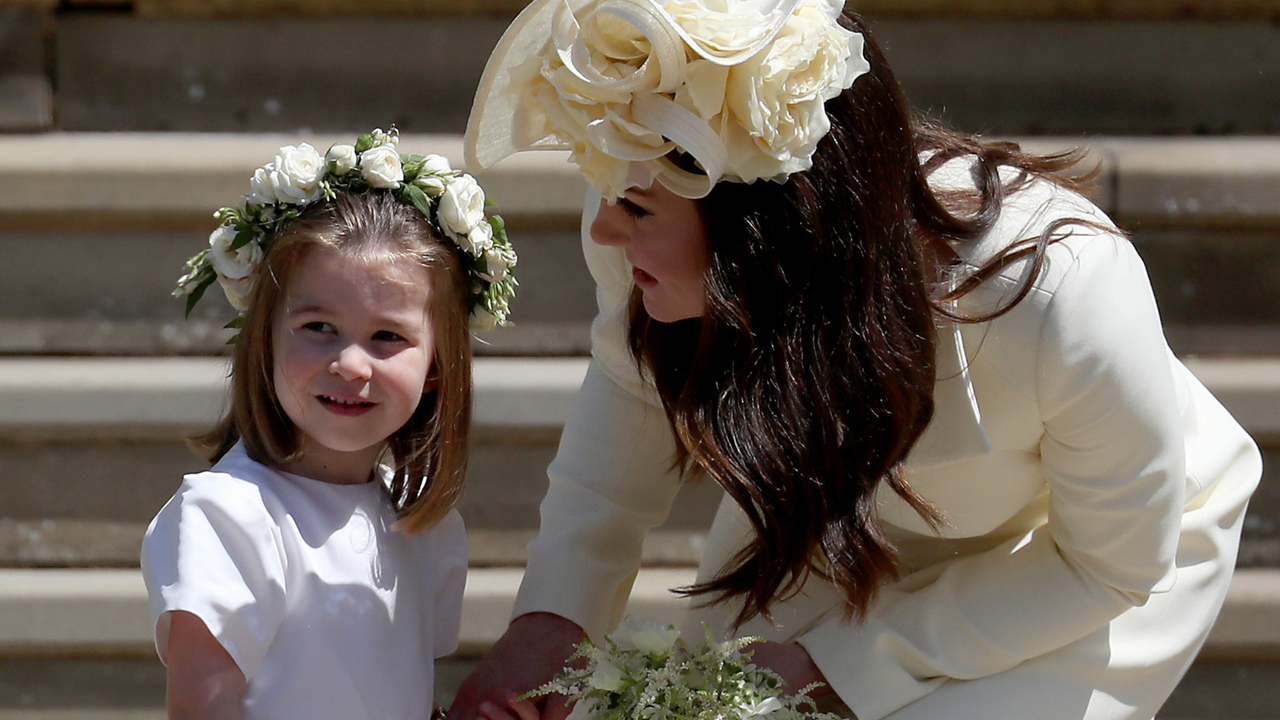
x=353 y=352
x=350 y=408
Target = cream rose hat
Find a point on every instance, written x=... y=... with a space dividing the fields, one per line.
x=737 y=85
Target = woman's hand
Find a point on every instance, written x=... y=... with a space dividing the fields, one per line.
x=792 y=663
x=529 y=654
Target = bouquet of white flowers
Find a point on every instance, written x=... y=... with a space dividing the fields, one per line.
x=644 y=671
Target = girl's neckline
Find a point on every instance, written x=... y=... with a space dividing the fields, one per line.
x=373 y=480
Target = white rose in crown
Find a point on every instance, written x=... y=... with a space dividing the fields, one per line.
x=380 y=166
x=777 y=96
x=461 y=207
x=432 y=185
x=237 y=291
x=292 y=178
x=343 y=158
x=436 y=164
x=479 y=240
x=228 y=263
x=646 y=635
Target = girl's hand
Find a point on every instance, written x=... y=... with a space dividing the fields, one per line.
x=792 y=663
x=203 y=681
x=528 y=655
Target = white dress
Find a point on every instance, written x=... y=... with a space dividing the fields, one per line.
x=327 y=611
x=1093 y=492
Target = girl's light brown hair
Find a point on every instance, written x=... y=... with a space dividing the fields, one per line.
x=429 y=453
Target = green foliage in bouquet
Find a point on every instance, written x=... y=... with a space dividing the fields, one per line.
x=645 y=671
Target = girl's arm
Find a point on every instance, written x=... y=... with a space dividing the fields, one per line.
x=203 y=681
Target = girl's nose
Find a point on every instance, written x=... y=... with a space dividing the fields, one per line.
x=352 y=363
x=608 y=228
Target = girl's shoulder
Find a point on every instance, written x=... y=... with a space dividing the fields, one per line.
x=236 y=488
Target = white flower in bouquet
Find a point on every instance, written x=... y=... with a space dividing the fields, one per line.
x=606 y=677
x=343 y=157
x=381 y=166
x=759 y=710
x=461 y=206
x=646 y=635
x=645 y=671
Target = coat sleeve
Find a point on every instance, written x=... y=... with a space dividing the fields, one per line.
x=613 y=477
x=1112 y=455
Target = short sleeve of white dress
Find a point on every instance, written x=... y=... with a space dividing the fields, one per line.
x=214 y=551
x=449 y=553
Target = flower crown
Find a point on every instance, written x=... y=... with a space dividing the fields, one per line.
x=298 y=177
x=738 y=86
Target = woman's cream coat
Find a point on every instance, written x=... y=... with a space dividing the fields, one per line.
x=1093 y=493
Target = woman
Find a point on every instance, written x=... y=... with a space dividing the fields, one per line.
x=964 y=475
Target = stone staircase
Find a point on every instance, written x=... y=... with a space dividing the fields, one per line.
x=129 y=122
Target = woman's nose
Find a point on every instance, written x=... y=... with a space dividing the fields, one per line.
x=607 y=228
x=352 y=363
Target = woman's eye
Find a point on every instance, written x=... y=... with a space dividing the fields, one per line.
x=632 y=209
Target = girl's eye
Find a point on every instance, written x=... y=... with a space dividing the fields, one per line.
x=387 y=336
x=318 y=327
x=632 y=209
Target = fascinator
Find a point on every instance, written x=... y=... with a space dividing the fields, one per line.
x=630 y=86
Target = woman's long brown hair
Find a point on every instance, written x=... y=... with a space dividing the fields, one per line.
x=811 y=376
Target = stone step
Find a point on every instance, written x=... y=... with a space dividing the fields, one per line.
x=103 y=612
x=109 y=430
x=175 y=180
x=133 y=689
x=81 y=209
x=77 y=644
x=1126 y=66
x=877 y=8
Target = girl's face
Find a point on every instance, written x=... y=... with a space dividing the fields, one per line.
x=666 y=245
x=353 y=346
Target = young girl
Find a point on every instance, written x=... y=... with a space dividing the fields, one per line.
x=317 y=569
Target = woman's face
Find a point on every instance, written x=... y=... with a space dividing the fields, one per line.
x=665 y=243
